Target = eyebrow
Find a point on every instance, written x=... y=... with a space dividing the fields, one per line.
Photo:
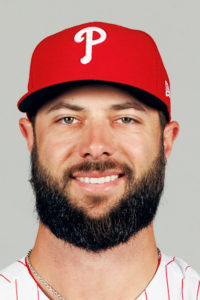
x=127 y=105
x=66 y=106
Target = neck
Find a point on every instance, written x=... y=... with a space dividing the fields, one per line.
x=122 y=272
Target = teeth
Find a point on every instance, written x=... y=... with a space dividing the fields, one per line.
x=97 y=180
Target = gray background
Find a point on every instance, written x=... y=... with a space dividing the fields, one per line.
x=175 y=27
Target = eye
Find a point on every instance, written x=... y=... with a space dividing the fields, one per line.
x=126 y=120
x=68 y=120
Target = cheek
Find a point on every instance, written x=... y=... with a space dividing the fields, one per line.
x=141 y=150
x=54 y=150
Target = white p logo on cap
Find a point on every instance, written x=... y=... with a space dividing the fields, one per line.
x=89 y=41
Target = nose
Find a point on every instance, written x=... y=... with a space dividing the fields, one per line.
x=97 y=142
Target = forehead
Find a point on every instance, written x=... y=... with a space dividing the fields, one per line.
x=92 y=96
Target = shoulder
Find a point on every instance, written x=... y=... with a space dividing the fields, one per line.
x=15 y=280
x=179 y=273
x=179 y=267
x=13 y=272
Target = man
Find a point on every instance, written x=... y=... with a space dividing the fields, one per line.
x=99 y=131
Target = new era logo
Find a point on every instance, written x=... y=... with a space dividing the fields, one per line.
x=167 y=89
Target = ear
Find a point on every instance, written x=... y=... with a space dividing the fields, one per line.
x=27 y=131
x=170 y=133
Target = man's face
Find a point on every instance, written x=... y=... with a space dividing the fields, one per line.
x=97 y=166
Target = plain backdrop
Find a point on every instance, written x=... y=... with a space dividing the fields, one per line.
x=175 y=26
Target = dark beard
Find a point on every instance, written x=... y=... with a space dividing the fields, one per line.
x=135 y=210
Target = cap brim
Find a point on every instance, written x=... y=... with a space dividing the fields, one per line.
x=30 y=103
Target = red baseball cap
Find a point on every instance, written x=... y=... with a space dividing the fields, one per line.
x=98 y=52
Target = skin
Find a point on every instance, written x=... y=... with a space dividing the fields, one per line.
x=98 y=131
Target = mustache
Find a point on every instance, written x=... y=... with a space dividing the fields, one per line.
x=100 y=166
x=85 y=166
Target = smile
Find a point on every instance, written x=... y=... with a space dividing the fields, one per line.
x=95 y=181
x=99 y=180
